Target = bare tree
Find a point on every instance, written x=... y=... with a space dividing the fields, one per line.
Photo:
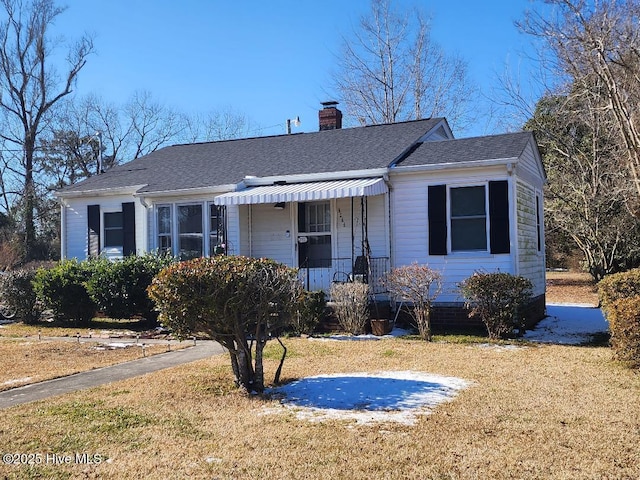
x=588 y=187
x=31 y=88
x=149 y=125
x=222 y=124
x=601 y=39
x=391 y=70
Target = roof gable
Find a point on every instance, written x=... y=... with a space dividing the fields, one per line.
x=473 y=149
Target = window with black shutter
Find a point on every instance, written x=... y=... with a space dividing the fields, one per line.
x=463 y=226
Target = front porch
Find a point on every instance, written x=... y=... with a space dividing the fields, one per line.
x=335 y=231
x=343 y=270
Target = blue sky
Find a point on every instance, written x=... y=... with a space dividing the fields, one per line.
x=270 y=60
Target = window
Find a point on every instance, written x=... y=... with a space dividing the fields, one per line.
x=164 y=229
x=468 y=218
x=190 y=238
x=113 y=229
x=318 y=218
x=460 y=216
x=217 y=245
x=314 y=239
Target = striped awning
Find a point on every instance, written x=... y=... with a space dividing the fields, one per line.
x=304 y=192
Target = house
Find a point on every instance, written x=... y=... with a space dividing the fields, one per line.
x=339 y=204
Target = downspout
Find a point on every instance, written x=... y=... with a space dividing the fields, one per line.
x=145 y=226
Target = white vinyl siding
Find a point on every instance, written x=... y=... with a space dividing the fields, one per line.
x=409 y=229
x=75 y=228
x=530 y=259
x=271 y=235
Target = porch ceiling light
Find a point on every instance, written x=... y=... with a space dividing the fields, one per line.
x=279 y=206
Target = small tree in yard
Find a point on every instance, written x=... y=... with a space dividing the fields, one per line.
x=420 y=285
x=238 y=301
x=498 y=299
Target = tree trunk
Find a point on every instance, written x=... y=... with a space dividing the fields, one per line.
x=29 y=200
x=258 y=380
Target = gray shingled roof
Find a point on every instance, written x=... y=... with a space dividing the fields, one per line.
x=492 y=147
x=228 y=162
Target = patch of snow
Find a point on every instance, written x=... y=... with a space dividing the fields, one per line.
x=367 y=397
x=17 y=380
x=569 y=324
x=396 y=332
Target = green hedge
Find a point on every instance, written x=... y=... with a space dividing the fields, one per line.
x=311 y=310
x=499 y=299
x=119 y=288
x=62 y=289
x=623 y=316
x=618 y=286
x=17 y=292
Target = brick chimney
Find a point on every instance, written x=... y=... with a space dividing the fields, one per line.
x=330 y=117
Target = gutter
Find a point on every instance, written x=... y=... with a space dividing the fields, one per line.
x=101 y=192
x=186 y=191
x=513 y=161
x=250 y=181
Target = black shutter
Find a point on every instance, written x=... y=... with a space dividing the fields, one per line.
x=499 y=216
x=93 y=230
x=128 y=228
x=302 y=227
x=437 y=211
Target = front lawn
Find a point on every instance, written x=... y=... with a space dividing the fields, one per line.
x=537 y=411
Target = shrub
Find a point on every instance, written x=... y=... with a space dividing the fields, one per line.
x=419 y=285
x=18 y=294
x=618 y=286
x=498 y=299
x=241 y=302
x=351 y=306
x=624 y=324
x=311 y=309
x=62 y=289
x=119 y=288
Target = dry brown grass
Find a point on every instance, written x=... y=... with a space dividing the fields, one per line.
x=99 y=327
x=30 y=361
x=571 y=287
x=538 y=412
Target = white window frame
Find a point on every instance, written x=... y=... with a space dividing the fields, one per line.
x=450 y=235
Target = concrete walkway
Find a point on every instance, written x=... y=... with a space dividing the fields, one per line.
x=113 y=373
